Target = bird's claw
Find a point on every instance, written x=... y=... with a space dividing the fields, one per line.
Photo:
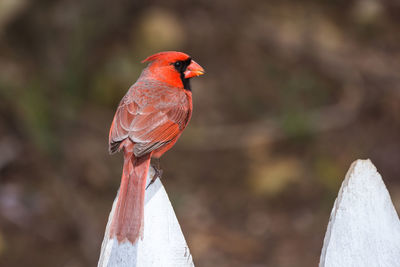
x=157 y=174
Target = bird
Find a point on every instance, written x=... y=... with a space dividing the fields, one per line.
x=147 y=123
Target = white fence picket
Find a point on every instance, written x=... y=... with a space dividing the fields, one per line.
x=163 y=244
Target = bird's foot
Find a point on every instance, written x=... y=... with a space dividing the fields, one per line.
x=157 y=174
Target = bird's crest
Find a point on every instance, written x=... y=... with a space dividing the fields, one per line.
x=167 y=56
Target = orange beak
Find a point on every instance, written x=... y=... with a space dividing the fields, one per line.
x=193 y=70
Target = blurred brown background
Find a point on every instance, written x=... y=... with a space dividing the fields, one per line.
x=294 y=92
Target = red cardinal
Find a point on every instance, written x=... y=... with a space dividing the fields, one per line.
x=149 y=120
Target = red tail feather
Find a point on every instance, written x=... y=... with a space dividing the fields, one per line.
x=127 y=223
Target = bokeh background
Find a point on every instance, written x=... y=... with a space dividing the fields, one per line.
x=294 y=92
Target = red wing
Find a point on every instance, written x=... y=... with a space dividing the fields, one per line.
x=149 y=126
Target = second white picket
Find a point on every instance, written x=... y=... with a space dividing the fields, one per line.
x=364 y=228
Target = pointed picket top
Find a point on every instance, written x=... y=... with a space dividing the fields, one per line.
x=364 y=228
x=163 y=244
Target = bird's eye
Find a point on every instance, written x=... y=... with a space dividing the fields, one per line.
x=178 y=64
